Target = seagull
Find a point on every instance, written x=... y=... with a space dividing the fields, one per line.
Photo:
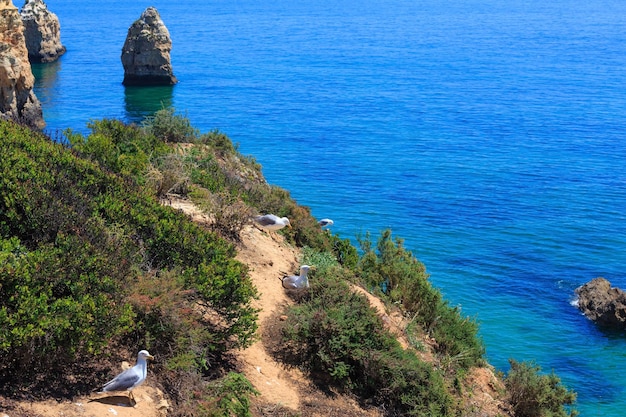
x=130 y=378
x=271 y=222
x=297 y=281
x=326 y=222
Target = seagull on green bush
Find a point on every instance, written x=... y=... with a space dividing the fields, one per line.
x=296 y=282
x=326 y=222
x=131 y=377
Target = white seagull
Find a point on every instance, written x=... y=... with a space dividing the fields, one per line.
x=297 y=282
x=326 y=222
x=130 y=378
x=271 y=222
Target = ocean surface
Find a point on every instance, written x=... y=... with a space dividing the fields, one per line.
x=489 y=135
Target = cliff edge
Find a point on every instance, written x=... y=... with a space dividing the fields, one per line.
x=17 y=98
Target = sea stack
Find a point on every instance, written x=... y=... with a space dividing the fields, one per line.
x=146 y=52
x=17 y=99
x=42 y=31
x=602 y=303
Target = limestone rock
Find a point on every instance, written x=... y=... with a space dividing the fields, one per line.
x=17 y=99
x=42 y=31
x=602 y=303
x=146 y=52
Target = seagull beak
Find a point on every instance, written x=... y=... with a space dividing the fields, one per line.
x=150 y=357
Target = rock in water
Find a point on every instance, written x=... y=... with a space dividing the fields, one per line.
x=146 y=52
x=17 y=99
x=42 y=31
x=602 y=303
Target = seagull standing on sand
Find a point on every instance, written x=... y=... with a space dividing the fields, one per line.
x=296 y=282
x=130 y=378
x=271 y=222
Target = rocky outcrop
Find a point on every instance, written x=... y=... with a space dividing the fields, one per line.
x=17 y=99
x=602 y=303
x=42 y=31
x=146 y=52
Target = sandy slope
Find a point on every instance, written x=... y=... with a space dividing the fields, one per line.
x=268 y=261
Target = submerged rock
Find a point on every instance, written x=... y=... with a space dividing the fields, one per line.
x=17 y=99
x=42 y=31
x=146 y=52
x=602 y=303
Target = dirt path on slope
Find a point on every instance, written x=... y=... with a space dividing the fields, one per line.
x=269 y=260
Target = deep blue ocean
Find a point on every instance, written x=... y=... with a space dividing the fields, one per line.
x=489 y=135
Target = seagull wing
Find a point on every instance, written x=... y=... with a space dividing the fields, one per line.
x=295 y=282
x=290 y=282
x=266 y=220
x=127 y=379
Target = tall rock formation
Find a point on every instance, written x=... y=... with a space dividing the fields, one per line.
x=146 y=52
x=42 y=31
x=17 y=99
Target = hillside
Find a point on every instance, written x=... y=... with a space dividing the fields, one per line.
x=128 y=241
x=283 y=391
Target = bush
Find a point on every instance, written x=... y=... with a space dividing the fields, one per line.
x=336 y=336
x=229 y=396
x=225 y=396
x=535 y=395
x=403 y=279
x=125 y=149
x=229 y=215
x=219 y=141
x=168 y=174
x=170 y=127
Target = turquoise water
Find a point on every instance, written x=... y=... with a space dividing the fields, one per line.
x=488 y=135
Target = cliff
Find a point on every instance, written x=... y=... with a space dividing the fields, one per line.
x=17 y=99
x=42 y=31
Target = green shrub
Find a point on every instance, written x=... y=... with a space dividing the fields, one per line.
x=346 y=254
x=322 y=261
x=168 y=126
x=403 y=279
x=206 y=171
x=225 y=395
x=536 y=395
x=125 y=149
x=219 y=141
x=228 y=396
x=336 y=336
x=55 y=302
x=166 y=316
x=168 y=174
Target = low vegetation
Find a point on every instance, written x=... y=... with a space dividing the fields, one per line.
x=340 y=340
x=535 y=394
x=91 y=263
